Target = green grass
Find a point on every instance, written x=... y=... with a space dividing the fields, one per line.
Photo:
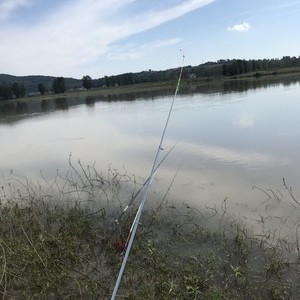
x=57 y=241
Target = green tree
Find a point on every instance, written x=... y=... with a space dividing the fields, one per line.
x=87 y=82
x=18 y=89
x=225 y=69
x=106 y=80
x=41 y=88
x=5 y=92
x=58 y=85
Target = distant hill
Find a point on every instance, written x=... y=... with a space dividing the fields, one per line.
x=31 y=82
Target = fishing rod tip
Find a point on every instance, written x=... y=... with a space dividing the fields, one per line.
x=182 y=50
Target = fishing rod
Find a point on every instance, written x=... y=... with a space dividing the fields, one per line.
x=119 y=244
x=142 y=204
x=134 y=196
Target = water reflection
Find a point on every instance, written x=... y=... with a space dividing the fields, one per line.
x=12 y=111
x=90 y=101
x=21 y=108
x=44 y=106
x=61 y=104
x=248 y=159
x=225 y=148
x=15 y=110
x=240 y=86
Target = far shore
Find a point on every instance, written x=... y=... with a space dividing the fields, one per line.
x=274 y=75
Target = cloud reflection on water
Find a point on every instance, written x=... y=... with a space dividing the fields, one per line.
x=249 y=159
x=246 y=121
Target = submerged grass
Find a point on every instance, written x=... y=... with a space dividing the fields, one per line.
x=57 y=241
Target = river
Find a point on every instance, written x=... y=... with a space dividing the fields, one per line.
x=229 y=139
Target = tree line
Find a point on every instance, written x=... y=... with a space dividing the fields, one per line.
x=10 y=91
x=17 y=90
x=223 y=67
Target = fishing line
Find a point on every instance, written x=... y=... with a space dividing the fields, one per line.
x=141 y=207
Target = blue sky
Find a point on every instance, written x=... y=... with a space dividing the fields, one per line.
x=105 y=37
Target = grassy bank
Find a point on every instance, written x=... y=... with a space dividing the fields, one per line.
x=58 y=241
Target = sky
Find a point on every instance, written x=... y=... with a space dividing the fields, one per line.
x=72 y=38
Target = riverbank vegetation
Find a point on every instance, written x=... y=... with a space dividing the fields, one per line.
x=58 y=240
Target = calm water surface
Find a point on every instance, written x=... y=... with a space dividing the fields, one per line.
x=228 y=141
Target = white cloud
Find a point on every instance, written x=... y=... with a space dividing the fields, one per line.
x=156 y=18
x=134 y=52
x=245 y=26
x=77 y=36
x=8 y=6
